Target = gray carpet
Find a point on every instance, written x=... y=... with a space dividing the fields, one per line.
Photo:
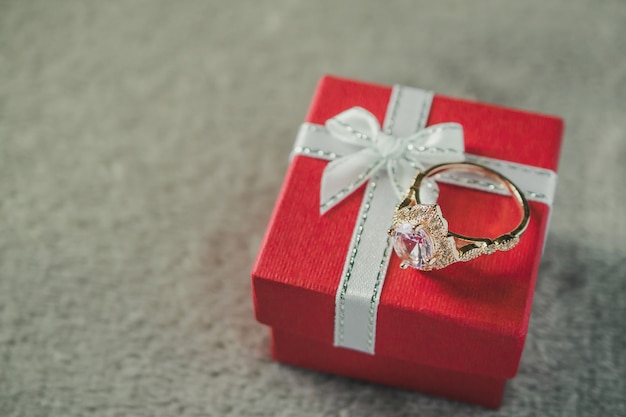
x=142 y=145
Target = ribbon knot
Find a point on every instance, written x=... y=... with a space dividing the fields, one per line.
x=388 y=146
x=379 y=153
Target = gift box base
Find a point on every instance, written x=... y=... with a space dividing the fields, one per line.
x=303 y=352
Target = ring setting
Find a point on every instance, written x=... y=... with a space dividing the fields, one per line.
x=420 y=234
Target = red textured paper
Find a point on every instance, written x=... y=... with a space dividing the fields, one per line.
x=307 y=353
x=470 y=317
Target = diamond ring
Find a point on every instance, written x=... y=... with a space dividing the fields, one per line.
x=420 y=233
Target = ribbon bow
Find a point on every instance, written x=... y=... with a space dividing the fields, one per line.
x=376 y=150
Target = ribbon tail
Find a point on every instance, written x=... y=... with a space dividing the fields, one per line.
x=429 y=192
x=344 y=175
x=402 y=173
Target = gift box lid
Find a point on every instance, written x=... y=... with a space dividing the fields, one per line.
x=469 y=317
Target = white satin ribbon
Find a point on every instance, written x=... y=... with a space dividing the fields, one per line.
x=376 y=150
x=387 y=159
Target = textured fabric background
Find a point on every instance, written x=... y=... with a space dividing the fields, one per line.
x=143 y=144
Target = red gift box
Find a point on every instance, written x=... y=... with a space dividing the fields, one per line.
x=457 y=332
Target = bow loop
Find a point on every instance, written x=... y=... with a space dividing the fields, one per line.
x=377 y=150
x=437 y=144
x=355 y=126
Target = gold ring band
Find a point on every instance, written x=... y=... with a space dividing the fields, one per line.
x=420 y=233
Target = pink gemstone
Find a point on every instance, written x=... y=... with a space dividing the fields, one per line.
x=414 y=247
